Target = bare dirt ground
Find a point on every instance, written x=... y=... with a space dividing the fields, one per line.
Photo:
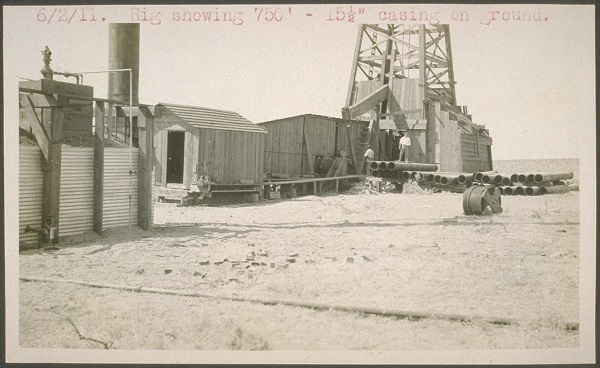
x=412 y=252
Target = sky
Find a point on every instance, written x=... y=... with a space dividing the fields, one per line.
x=531 y=83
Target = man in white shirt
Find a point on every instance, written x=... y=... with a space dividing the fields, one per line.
x=369 y=156
x=404 y=144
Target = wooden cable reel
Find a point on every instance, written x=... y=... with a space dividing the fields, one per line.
x=482 y=200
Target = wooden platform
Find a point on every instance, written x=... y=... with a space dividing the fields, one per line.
x=317 y=183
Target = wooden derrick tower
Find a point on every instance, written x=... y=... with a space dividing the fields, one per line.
x=402 y=78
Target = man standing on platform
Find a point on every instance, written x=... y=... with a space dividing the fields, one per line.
x=404 y=145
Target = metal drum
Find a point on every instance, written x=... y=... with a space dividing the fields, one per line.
x=482 y=200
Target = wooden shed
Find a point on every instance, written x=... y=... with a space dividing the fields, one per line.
x=196 y=142
x=294 y=144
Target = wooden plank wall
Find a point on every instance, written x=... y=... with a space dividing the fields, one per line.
x=405 y=95
x=473 y=159
x=283 y=146
x=190 y=160
x=443 y=139
x=78 y=116
x=342 y=137
x=230 y=156
x=320 y=134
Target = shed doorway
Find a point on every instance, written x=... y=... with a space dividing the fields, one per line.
x=175 y=155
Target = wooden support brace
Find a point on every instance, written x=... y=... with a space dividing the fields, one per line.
x=36 y=126
x=364 y=105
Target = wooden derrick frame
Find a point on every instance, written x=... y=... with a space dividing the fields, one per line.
x=388 y=52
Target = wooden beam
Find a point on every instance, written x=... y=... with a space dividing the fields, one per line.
x=422 y=66
x=405 y=112
x=98 y=218
x=51 y=174
x=368 y=102
x=40 y=100
x=350 y=93
x=145 y=165
x=36 y=126
x=352 y=152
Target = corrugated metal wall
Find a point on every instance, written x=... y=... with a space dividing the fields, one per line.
x=30 y=192
x=116 y=187
x=76 y=191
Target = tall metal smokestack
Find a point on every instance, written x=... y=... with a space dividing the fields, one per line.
x=123 y=53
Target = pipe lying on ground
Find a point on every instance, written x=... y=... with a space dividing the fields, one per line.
x=506 y=181
x=382 y=165
x=411 y=315
x=375 y=173
x=531 y=191
x=488 y=178
x=449 y=180
x=554 y=189
x=465 y=178
x=506 y=190
x=514 y=178
x=519 y=190
x=530 y=178
x=374 y=165
x=521 y=178
x=405 y=175
x=547 y=177
x=477 y=176
x=404 y=166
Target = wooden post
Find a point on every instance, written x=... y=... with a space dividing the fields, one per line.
x=98 y=225
x=109 y=121
x=357 y=166
x=422 y=66
x=145 y=165
x=51 y=174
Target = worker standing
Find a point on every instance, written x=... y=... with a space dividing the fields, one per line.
x=404 y=144
x=369 y=156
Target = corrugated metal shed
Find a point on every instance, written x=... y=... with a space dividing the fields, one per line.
x=116 y=187
x=30 y=192
x=76 y=209
x=201 y=117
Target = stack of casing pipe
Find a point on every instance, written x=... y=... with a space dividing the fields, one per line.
x=529 y=184
x=394 y=170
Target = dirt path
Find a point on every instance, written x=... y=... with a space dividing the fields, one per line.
x=402 y=252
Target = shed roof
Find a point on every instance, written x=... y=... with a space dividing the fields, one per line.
x=202 y=117
x=314 y=116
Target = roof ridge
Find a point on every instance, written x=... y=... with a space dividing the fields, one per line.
x=166 y=104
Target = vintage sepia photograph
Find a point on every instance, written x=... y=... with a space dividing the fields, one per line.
x=314 y=184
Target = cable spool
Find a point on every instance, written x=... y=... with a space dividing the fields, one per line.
x=482 y=200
